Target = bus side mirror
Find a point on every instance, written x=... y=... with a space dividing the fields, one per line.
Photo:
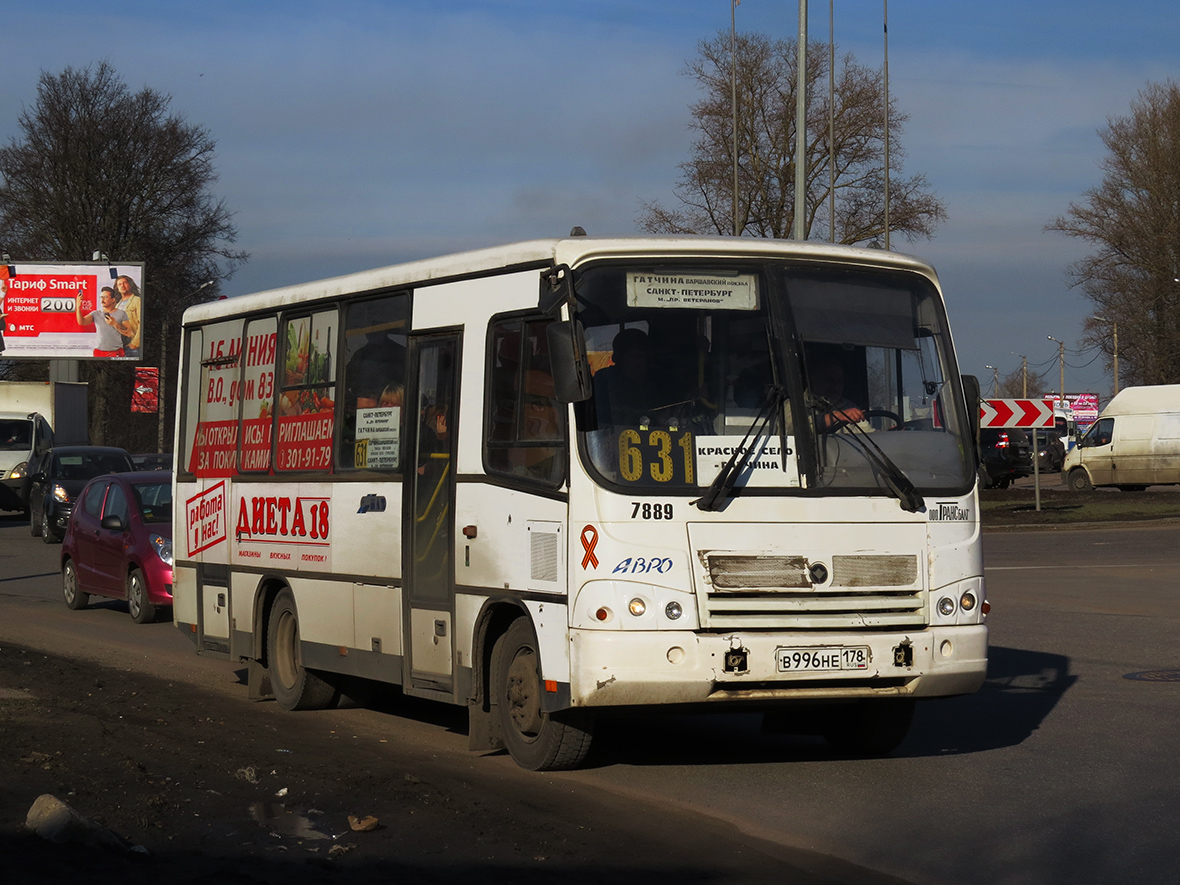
x=557 y=288
x=971 y=393
x=568 y=360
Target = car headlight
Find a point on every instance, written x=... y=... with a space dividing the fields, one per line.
x=163 y=548
x=20 y=471
x=61 y=494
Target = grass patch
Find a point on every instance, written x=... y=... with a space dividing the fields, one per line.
x=1017 y=507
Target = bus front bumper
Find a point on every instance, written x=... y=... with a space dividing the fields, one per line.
x=624 y=668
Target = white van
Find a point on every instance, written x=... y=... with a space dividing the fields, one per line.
x=1134 y=443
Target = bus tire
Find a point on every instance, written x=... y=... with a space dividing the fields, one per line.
x=537 y=741
x=295 y=687
x=1079 y=481
x=871 y=727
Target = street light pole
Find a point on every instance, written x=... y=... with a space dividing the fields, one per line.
x=1114 y=328
x=995 y=378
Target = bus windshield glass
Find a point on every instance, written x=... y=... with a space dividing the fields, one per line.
x=801 y=378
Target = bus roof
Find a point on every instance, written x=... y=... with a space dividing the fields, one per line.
x=545 y=253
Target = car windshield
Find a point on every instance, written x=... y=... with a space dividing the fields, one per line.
x=154 y=500
x=828 y=379
x=87 y=465
x=15 y=434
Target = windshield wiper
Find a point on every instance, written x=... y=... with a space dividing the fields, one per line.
x=895 y=480
x=718 y=493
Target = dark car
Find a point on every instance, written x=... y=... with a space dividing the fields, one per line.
x=152 y=461
x=119 y=543
x=1005 y=454
x=1050 y=451
x=58 y=475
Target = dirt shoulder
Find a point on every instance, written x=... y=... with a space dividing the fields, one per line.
x=1015 y=507
x=221 y=790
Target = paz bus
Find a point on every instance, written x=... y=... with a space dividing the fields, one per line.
x=570 y=478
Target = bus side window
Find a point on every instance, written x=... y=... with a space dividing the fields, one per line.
x=307 y=393
x=525 y=430
x=372 y=406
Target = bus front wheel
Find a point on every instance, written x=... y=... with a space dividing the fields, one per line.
x=295 y=687
x=537 y=741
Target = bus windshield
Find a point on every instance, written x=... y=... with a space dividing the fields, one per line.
x=806 y=378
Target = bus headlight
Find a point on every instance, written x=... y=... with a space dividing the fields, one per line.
x=967 y=601
x=946 y=606
x=632 y=605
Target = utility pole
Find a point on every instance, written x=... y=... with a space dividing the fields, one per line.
x=886 y=23
x=1115 y=327
x=801 y=125
x=1023 y=374
x=1061 y=366
x=733 y=102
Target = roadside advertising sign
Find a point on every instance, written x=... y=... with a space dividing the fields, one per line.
x=72 y=311
x=1085 y=407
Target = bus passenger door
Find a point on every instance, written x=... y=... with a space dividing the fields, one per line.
x=430 y=513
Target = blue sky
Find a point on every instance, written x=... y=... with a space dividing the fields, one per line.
x=358 y=133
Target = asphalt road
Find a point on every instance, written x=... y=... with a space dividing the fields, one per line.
x=1060 y=770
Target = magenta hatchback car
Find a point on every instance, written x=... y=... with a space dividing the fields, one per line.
x=118 y=543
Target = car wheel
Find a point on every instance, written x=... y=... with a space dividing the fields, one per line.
x=1079 y=481
x=34 y=525
x=537 y=741
x=75 y=597
x=142 y=610
x=48 y=534
x=295 y=687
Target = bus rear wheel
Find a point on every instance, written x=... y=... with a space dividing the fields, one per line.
x=295 y=687
x=537 y=741
x=870 y=727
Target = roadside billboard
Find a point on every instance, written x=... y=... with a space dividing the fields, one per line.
x=1083 y=405
x=58 y=310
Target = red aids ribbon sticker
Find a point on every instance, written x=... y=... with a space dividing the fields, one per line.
x=589 y=540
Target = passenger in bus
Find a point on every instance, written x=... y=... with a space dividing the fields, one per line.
x=625 y=392
x=377 y=364
x=392 y=395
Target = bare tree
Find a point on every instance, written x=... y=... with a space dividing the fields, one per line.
x=100 y=168
x=766 y=144
x=1015 y=385
x=1133 y=220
